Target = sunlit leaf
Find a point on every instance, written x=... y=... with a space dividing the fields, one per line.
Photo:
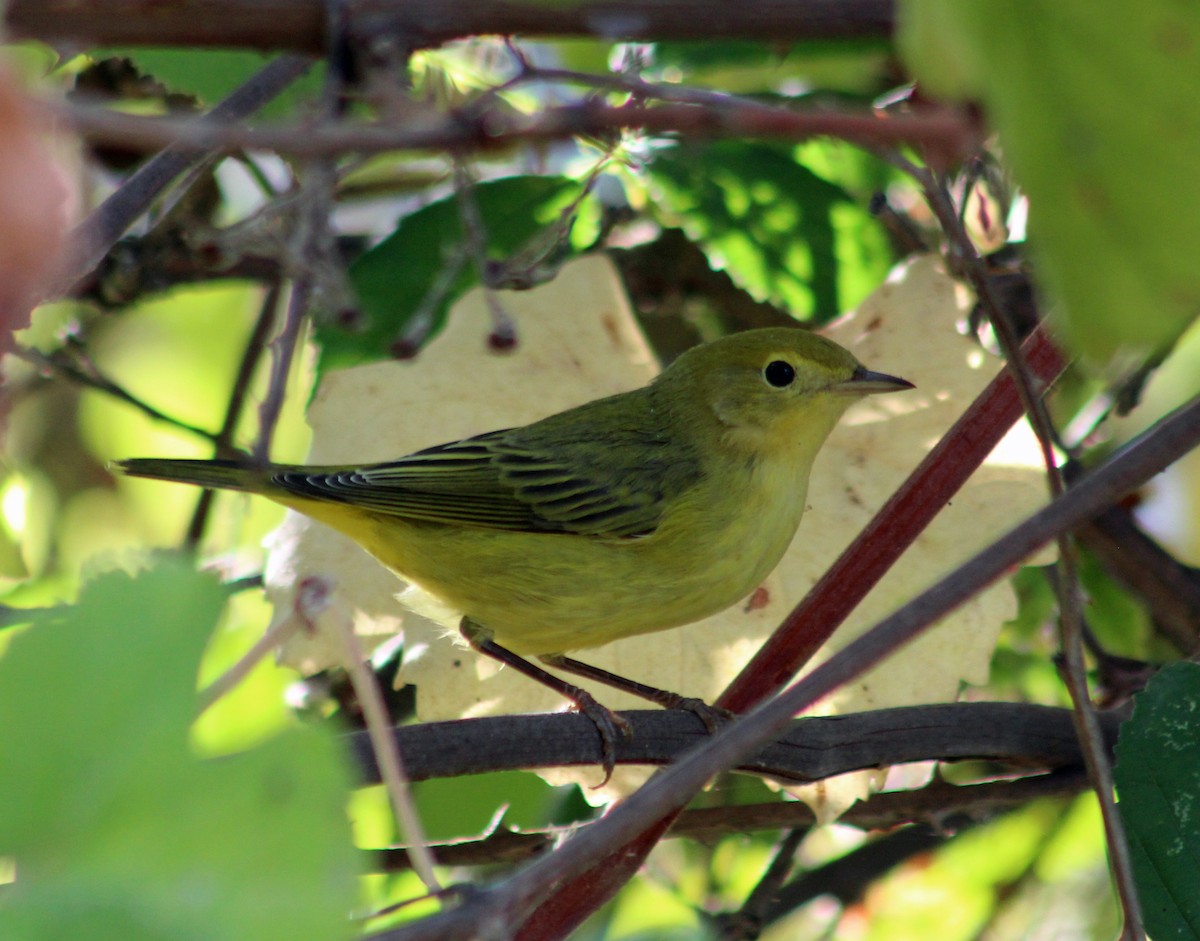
x=759 y=215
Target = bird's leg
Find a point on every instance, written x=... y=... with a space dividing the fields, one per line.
x=712 y=716
x=608 y=724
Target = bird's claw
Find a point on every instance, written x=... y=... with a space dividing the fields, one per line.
x=610 y=725
x=713 y=717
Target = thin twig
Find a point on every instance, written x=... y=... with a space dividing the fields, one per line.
x=1071 y=625
x=938 y=804
x=504 y=330
x=255 y=346
x=283 y=350
x=87 y=374
x=272 y=639
x=95 y=236
x=947 y=130
x=746 y=923
x=307 y=249
x=848 y=877
x=387 y=753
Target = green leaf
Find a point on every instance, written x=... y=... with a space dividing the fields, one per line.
x=211 y=74
x=1096 y=111
x=117 y=829
x=1158 y=780
x=761 y=216
x=395 y=277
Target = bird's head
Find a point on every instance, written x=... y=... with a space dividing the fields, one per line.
x=772 y=388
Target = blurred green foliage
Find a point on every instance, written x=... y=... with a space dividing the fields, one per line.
x=1097 y=112
x=121 y=829
x=118 y=830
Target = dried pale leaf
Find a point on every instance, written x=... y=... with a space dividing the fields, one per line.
x=578 y=343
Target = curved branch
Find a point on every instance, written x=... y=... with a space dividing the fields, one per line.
x=814 y=748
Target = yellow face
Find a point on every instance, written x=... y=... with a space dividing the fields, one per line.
x=777 y=380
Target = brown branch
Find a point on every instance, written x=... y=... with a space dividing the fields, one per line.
x=309 y=250
x=939 y=804
x=298 y=25
x=947 y=129
x=848 y=877
x=74 y=367
x=746 y=923
x=812 y=749
x=1070 y=604
x=223 y=441
x=1169 y=589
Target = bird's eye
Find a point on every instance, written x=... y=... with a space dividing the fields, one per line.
x=779 y=374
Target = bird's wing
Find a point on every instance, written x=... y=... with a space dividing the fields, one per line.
x=524 y=480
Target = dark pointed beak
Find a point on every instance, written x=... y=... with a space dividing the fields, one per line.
x=866 y=382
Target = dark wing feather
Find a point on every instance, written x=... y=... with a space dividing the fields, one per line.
x=580 y=472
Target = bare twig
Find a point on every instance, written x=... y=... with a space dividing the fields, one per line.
x=947 y=130
x=746 y=923
x=283 y=349
x=272 y=639
x=95 y=236
x=387 y=753
x=308 y=247
x=1170 y=589
x=504 y=330
x=947 y=807
x=1074 y=669
x=73 y=366
x=848 y=877
x=251 y=357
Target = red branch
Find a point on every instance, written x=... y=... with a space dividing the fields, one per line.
x=934 y=482
x=911 y=508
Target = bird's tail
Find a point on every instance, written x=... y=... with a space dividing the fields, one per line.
x=217 y=475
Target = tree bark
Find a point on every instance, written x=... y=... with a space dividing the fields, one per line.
x=300 y=25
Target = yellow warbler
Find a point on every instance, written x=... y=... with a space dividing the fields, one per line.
x=633 y=513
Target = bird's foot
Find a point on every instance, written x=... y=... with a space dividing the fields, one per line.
x=610 y=725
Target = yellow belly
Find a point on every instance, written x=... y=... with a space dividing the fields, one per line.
x=542 y=593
